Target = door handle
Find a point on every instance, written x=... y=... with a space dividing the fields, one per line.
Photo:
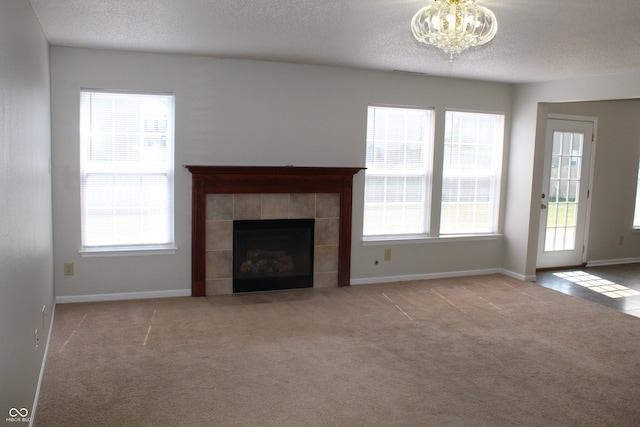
x=543 y=206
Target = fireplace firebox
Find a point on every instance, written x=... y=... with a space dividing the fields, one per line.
x=272 y=254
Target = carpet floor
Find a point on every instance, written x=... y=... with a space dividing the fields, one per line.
x=474 y=351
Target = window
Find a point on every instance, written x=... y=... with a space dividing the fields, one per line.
x=399 y=143
x=471 y=172
x=636 y=216
x=399 y=180
x=127 y=168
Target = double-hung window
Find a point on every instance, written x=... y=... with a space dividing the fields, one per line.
x=127 y=169
x=399 y=145
x=402 y=180
x=471 y=171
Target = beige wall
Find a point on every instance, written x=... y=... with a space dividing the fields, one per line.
x=257 y=113
x=526 y=159
x=26 y=269
x=614 y=178
x=234 y=112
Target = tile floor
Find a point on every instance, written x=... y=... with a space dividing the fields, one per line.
x=616 y=286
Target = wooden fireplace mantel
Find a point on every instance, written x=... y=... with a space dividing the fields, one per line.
x=267 y=179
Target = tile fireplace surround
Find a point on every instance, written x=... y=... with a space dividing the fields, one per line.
x=221 y=194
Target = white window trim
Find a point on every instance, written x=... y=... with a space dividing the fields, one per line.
x=426 y=172
x=636 y=205
x=433 y=219
x=399 y=240
x=137 y=250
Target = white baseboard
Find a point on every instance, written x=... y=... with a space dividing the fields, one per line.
x=523 y=277
x=597 y=263
x=427 y=276
x=42 y=366
x=123 y=296
x=364 y=281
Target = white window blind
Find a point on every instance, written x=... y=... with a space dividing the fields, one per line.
x=127 y=169
x=471 y=172
x=397 y=178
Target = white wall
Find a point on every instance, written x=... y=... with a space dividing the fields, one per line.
x=526 y=158
x=233 y=112
x=26 y=268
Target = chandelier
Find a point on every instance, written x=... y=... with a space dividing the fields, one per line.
x=454 y=25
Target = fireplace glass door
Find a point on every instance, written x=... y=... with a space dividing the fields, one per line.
x=272 y=254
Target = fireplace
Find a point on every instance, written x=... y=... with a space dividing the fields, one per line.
x=264 y=181
x=272 y=254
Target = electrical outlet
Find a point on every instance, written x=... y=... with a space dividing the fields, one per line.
x=68 y=269
x=35 y=337
x=387 y=254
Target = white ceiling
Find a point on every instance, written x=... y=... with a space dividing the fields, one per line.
x=537 y=40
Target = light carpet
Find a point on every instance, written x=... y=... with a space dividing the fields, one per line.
x=475 y=351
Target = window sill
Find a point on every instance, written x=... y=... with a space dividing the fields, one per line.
x=409 y=240
x=127 y=251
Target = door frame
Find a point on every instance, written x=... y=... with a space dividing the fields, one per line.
x=547 y=150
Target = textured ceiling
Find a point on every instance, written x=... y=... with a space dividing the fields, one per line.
x=537 y=40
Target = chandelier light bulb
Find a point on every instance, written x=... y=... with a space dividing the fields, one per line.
x=454 y=25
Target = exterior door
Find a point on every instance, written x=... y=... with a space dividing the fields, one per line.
x=565 y=194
